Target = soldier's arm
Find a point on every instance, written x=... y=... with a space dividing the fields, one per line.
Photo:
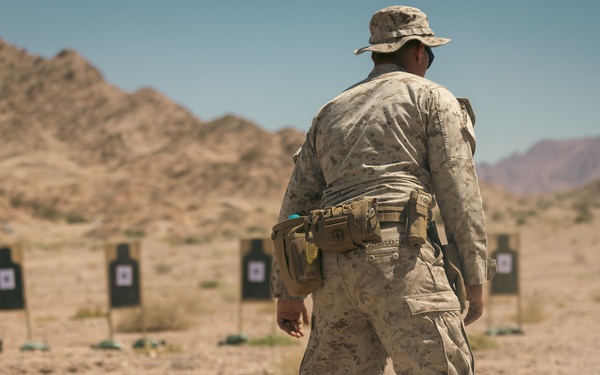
x=451 y=143
x=303 y=194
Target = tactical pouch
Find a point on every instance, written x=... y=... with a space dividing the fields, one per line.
x=344 y=227
x=417 y=214
x=298 y=259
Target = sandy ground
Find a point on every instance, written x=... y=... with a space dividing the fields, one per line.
x=198 y=284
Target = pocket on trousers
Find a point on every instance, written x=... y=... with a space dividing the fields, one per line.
x=432 y=302
x=443 y=309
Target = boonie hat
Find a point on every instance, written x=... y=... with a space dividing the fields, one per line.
x=393 y=26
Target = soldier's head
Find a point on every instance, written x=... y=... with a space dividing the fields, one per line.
x=401 y=35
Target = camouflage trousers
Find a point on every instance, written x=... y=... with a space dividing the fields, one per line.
x=386 y=300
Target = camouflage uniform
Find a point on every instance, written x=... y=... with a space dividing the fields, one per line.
x=391 y=134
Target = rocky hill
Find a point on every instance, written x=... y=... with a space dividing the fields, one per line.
x=75 y=149
x=547 y=167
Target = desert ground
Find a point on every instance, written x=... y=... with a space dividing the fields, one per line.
x=191 y=295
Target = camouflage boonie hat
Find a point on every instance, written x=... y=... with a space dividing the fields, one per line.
x=393 y=26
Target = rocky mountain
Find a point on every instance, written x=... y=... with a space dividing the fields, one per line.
x=547 y=167
x=83 y=156
x=75 y=149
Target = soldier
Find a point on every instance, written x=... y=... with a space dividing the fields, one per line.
x=387 y=136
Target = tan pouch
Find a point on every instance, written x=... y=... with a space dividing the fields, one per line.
x=298 y=259
x=344 y=227
x=417 y=214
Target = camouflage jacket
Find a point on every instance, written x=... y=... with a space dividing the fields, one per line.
x=384 y=137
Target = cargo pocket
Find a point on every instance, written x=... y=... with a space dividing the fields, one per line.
x=443 y=310
x=432 y=302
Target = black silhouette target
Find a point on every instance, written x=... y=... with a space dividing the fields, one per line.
x=506 y=280
x=12 y=296
x=256 y=268
x=124 y=275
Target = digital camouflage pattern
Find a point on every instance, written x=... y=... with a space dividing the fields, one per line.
x=393 y=26
x=383 y=138
x=388 y=135
x=383 y=300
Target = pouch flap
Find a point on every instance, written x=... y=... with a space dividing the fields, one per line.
x=290 y=223
x=432 y=302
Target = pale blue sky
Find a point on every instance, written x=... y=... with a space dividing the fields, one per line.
x=530 y=67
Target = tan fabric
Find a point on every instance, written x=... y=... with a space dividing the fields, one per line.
x=393 y=26
x=386 y=301
x=391 y=134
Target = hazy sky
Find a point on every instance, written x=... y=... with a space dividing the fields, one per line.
x=530 y=67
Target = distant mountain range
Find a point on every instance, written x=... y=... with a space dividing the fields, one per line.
x=75 y=149
x=549 y=166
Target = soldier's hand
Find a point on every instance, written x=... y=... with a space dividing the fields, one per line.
x=475 y=298
x=291 y=315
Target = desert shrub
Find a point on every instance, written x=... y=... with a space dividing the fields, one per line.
x=544 y=203
x=16 y=200
x=229 y=234
x=72 y=218
x=561 y=304
x=583 y=214
x=175 y=311
x=162 y=268
x=176 y=240
x=47 y=213
x=521 y=217
x=134 y=233
x=158 y=316
x=272 y=340
x=256 y=229
x=211 y=284
x=497 y=216
x=191 y=240
x=88 y=313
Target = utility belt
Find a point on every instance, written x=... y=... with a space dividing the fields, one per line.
x=350 y=225
x=299 y=241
